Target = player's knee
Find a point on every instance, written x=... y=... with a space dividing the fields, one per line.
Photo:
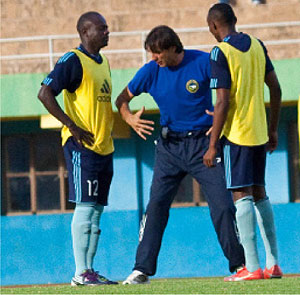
x=81 y=228
x=95 y=230
x=158 y=206
x=243 y=213
x=259 y=192
x=98 y=210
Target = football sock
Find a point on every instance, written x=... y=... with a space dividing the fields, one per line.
x=95 y=234
x=246 y=224
x=81 y=232
x=265 y=220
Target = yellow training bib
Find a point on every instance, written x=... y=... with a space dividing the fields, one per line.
x=246 y=120
x=90 y=105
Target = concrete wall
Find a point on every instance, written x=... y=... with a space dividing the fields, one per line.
x=21 y=18
x=47 y=17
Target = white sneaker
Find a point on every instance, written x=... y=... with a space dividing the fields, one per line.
x=85 y=279
x=137 y=277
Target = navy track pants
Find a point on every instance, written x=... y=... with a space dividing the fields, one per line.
x=174 y=158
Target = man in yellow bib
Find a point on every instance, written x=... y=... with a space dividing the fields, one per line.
x=240 y=66
x=83 y=74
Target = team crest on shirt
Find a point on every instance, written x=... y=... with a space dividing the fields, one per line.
x=192 y=86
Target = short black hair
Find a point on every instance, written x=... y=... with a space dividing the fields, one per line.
x=88 y=16
x=162 y=38
x=222 y=13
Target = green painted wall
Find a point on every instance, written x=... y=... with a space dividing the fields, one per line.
x=120 y=79
x=19 y=91
x=288 y=72
x=19 y=95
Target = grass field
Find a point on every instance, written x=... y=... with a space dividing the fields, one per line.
x=286 y=285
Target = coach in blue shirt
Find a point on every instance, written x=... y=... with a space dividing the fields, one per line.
x=178 y=80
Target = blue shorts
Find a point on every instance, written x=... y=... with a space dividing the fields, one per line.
x=90 y=174
x=244 y=165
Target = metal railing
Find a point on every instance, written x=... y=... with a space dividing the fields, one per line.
x=51 y=55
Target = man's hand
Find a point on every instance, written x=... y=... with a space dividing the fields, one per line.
x=81 y=135
x=139 y=125
x=210 y=157
x=273 y=141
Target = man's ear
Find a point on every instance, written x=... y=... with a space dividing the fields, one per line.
x=215 y=25
x=83 y=31
x=85 y=28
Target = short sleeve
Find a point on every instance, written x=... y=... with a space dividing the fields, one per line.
x=220 y=74
x=67 y=74
x=269 y=65
x=141 y=82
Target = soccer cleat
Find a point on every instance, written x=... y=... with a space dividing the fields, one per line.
x=137 y=277
x=245 y=275
x=87 y=278
x=273 y=273
x=102 y=280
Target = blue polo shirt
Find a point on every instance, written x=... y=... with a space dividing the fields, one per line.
x=181 y=92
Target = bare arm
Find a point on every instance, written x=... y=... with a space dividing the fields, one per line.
x=48 y=99
x=220 y=114
x=140 y=126
x=275 y=103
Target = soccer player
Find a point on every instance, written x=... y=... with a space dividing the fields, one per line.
x=83 y=74
x=240 y=65
x=178 y=80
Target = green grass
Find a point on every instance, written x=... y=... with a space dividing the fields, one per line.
x=286 y=285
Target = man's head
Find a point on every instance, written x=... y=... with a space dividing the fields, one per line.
x=164 y=45
x=220 y=19
x=93 y=30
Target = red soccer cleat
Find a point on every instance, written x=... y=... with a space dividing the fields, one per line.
x=273 y=273
x=245 y=275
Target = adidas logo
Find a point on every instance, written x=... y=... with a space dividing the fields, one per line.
x=105 y=89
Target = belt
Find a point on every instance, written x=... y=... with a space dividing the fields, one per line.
x=167 y=133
